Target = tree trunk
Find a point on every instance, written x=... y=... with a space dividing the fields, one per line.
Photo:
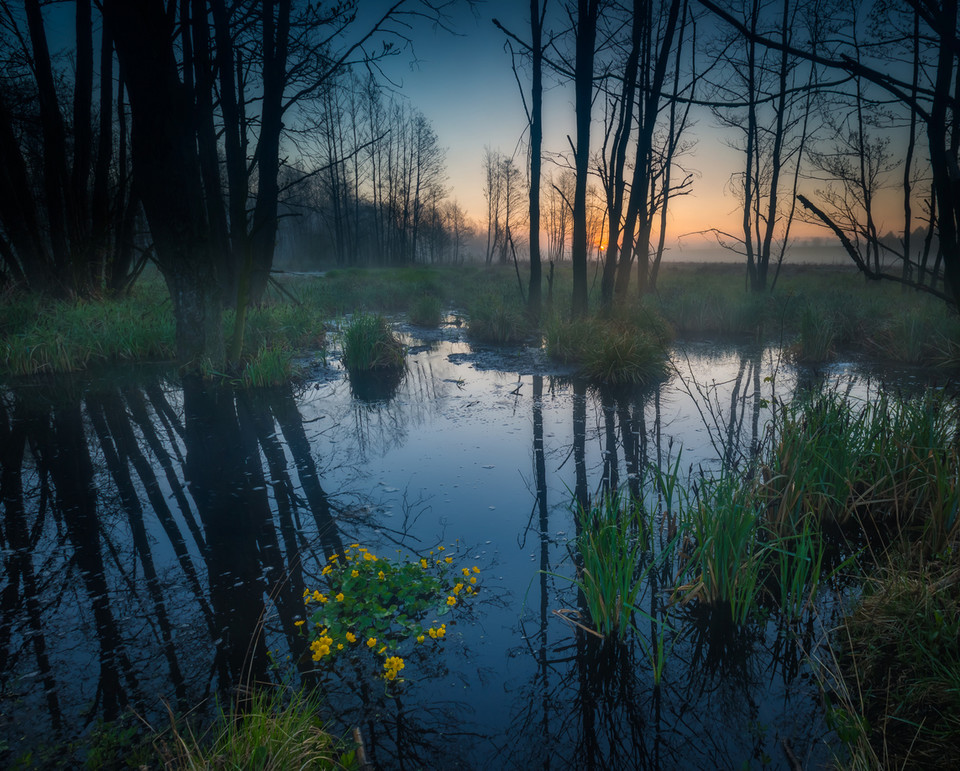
x=586 y=31
x=166 y=167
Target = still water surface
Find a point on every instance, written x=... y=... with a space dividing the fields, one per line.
x=158 y=536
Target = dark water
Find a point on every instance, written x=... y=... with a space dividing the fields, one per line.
x=158 y=536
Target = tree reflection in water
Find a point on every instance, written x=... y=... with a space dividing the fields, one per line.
x=173 y=520
x=158 y=536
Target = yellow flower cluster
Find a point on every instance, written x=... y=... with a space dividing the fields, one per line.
x=392 y=666
x=437 y=633
x=314 y=596
x=321 y=646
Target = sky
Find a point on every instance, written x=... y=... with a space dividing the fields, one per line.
x=465 y=86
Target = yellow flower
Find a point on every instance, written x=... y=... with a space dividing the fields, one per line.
x=326 y=570
x=369 y=557
x=333 y=558
x=371 y=642
x=339 y=597
x=473 y=579
x=298 y=623
x=441 y=548
x=316 y=595
x=451 y=600
x=354 y=546
x=380 y=575
x=476 y=569
x=354 y=573
x=423 y=563
x=420 y=638
x=382 y=649
x=442 y=630
x=339 y=646
x=469 y=590
x=351 y=637
x=306 y=592
x=432 y=632
x=466 y=571
x=323 y=598
x=448 y=560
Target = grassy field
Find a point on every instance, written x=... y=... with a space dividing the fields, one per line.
x=817 y=313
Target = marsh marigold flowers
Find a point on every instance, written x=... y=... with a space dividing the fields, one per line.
x=387 y=605
x=392 y=666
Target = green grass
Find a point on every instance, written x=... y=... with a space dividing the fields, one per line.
x=823 y=312
x=611 y=542
x=497 y=319
x=426 y=311
x=616 y=351
x=275 y=730
x=369 y=346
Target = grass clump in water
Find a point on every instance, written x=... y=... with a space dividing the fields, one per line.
x=611 y=351
x=273 y=731
x=611 y=543
x=426 y=311
x=895 y=682
x=495 y=320
x=370 y=346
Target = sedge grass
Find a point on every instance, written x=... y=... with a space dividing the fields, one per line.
x=611 y=542
x=611 y=351
x=275 y=731
x=370 y=346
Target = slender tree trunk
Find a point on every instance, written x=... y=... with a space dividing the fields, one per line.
x=534 y=293
x=586 y=31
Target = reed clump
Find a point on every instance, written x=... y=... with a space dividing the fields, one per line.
x=275 y=730
x=370 y=346
x=614 y=351
x=496 y=320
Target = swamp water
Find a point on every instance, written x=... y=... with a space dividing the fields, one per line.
x=158 y=538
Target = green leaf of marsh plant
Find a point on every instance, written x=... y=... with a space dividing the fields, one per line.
x=369 y=604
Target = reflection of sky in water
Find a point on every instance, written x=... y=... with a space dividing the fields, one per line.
x=457 y=440
x=450 y=457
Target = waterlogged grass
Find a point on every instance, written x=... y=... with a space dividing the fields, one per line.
x=497 y=320
x=887 y=465
x=615 y=351
x=819 y=312
x=369 y=346
x=44 y=336
x=426 y=311
x=610 y=576
x=276 y=730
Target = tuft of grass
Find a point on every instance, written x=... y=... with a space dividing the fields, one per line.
x=889 y=465
x=613 y=351
x=899 y=655
x=370 y=346
x=426 y=311
x=611 y=543
x=728 y=558
x=269 y=366
x=273 y=731
x=817 y=336
x=495 y=320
